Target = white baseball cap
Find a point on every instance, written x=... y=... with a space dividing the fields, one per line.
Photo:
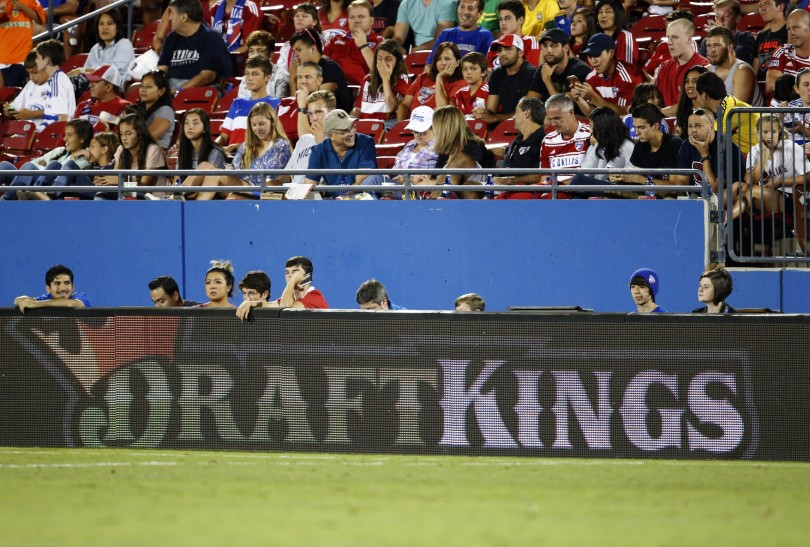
x=421 y=119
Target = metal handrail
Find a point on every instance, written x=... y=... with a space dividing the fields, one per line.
x=86 y=17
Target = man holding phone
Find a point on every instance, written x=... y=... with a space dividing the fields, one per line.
x=559 y=72
x=298 y=292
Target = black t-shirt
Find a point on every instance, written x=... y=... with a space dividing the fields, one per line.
x=385 y=15
x=767 y=43
x=332 y=73
x=575 y=67
x=666 y=156
x=187 y=56
x=524 y=153
x=510 y=89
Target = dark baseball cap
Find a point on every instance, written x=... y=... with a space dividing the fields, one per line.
x=555 y=35
x=598 y=43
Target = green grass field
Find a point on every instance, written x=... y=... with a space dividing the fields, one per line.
x=127 y=497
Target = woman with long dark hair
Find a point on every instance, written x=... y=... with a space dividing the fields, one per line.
x=138 y=150
x=610 y=148
x=612 y=20
x=155 y=107
x=386 y=85
x=196 y=149
x=112 y=48
x=583 y=26
x=687 y=101
x=440 y=81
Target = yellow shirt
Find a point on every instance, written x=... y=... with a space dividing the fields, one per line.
x=743 y=125
x=540 y=18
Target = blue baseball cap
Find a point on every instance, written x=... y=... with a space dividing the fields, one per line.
x=650 y=278
x=598 y=43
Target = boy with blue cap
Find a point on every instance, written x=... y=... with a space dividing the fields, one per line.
x=644 y=284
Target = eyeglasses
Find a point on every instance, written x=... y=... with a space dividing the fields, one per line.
x=703 y=112
x=345 y=132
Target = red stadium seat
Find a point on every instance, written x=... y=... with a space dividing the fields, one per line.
x=133 y=93
x=216 y=128
x=74 y=61
x=225 y=102
x=195 y=97
x=752 y=23
x=385 y=162
x=416 y=61
x=16 y=137
x=398 y=134
x=479 y=127
x=503 y=134
x=49 y=138
x=142 y=39
x=649 y=30
x=7 y=94
x=373 y=128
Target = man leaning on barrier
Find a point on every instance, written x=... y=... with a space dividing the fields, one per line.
x=59 y=292
x=298 y=292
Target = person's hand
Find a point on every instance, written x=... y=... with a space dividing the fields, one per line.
x=231 y=148
x=26 y=303
x=297 y=277
x=109 y=180
x=702 y=146
x=273 y=18
x=616 y=179
x=384 y=69
x=84 y=153
x=243 y=311
x=301 y=97
x=76 y=71
x=584 y=91
x=478 y=113
x=546 y=71
x=360 y=38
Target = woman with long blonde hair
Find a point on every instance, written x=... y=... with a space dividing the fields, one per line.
x=266 y=147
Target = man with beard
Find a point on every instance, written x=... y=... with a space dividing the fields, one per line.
x=509 y=82
x=738 y=76
x=611 y=83
x=558 y=66
x=727 y=13
x=468 y=36
x=793 y=56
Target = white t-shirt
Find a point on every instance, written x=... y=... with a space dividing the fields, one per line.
x=787 y=161
x=59 y=98
x=300 y=156
x=32 y=97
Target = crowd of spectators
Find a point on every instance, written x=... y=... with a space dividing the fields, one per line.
x=569 y=76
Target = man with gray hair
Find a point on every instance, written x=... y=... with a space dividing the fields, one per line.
x=567 y=144
x=372 y=296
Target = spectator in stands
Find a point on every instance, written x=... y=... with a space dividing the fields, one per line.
x=467 y=36
x=371 y=295
x=489 y=16
x=511 y=15
x=644 y=285
x=795 y=55
x=309 y=78
x=567 y=144
x=261 y=43
x=384 y=89
x=687 y=102
x=385 y=17
x=453 y=136
x=317 y=105
x=266 y=147
x=800 y=123
x=255 y=287
x=343 y=148
x=583 y=26
x=427 y=19
x=610 y=83
x=258 y=71
x=77 y=138
x=508 y=83
x=105 y=89
x=776 y=170
x=235 y=20
x=610 y=148
x=219 y=283
x=558 y=66
x=165 y=293
x=305 y=16
x=196 y=148
x=112 y=48
x=29 y=103
x=772 y=37
x=100 y=154
x=654 y=149
x=474 y=71
x=714 y=287
x=661 y=53
x=16 y=38
x=138 y=150
x=644 y=93
x=298 y=291
x=738 y=76
x=524 y=151
x=437 y=84
x=712 y=95
x=59 y=292
x=540 y=16
x=418 y=153
x=727 y=14
x=701 y=151
x=308 y=48
x=194 y=55
x=682 y=57
x=611 y=19
x=355 y=51
x=470 y=302
x=334 y=18
x=155 y=106
x=60 y=101
x=564 y=17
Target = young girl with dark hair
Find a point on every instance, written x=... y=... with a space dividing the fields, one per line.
x=433 y=87
x=196 y=148
x=138 y=150
x=386 y=85
x=155 y=106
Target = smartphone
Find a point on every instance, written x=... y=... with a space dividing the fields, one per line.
x=306 y=281
x=572 y=80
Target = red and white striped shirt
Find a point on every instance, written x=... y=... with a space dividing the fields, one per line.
x=465 y=101
x=372 y=106
x=618 y=89
x=786 y=61
x=557 y=152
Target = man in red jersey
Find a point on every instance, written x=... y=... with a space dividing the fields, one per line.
x=682 y=57
x=355 y=51
x=298 y=293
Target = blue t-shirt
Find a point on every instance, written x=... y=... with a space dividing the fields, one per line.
x=363 y=155
x=477 y=39
x=80 y=296
x=186 y=57
x=424 y=20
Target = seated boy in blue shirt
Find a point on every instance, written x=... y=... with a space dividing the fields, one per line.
x=59 y=287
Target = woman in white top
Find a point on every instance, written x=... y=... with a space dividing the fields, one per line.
x=112 y=48
x=774 y=169
x=610 y=148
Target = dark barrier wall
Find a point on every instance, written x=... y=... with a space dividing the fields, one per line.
x=562 y=385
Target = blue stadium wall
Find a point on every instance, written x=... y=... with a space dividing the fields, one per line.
x=427 y=253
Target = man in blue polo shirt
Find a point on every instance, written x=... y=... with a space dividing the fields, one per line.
x=193 y=55
x=343 y=148
x=59 y=287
